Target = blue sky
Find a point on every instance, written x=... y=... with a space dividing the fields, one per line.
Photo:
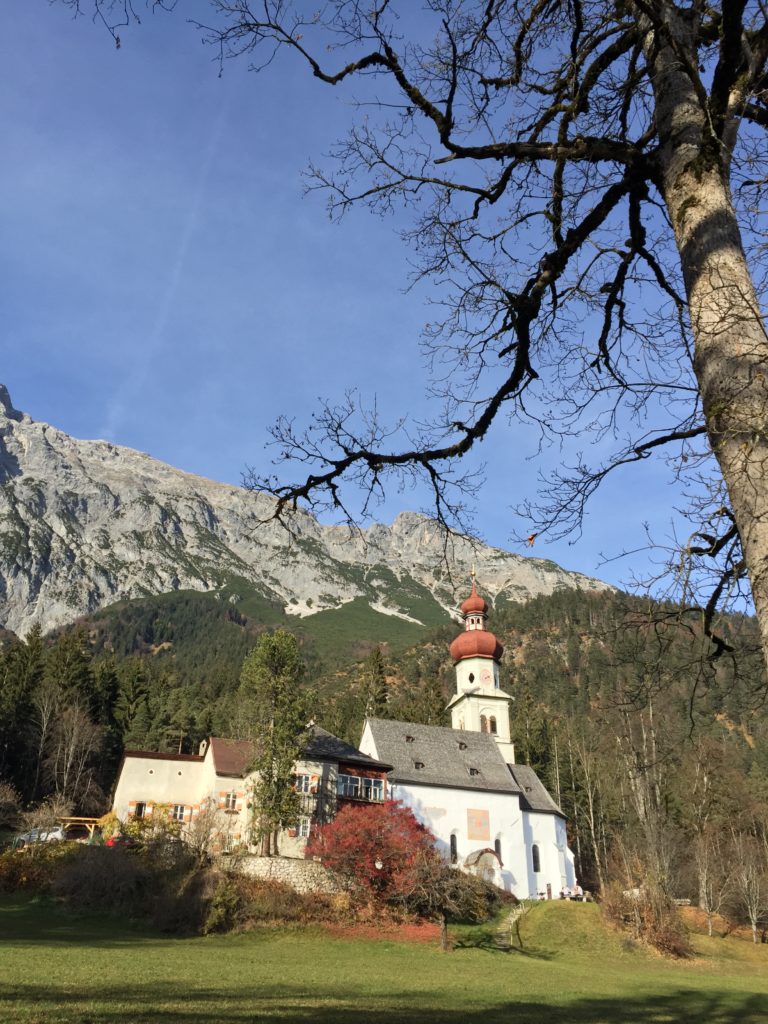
x=167 y=285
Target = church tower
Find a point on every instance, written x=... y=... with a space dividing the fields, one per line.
x=479 y=704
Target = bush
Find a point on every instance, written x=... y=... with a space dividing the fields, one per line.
x=35 y=869
x=105 y=879
x=650 y=914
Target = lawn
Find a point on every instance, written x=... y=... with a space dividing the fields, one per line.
x=59 y=968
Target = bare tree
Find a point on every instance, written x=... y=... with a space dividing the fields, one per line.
x=713 y=869
x=750 y=877
x=73 y=743
x=586 y=183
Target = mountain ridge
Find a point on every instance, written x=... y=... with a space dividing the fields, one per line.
x=86 y=523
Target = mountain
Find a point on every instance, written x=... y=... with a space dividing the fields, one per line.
x=84 y=524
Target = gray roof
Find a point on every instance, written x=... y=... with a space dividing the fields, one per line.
x=533 y=794
x=324 y=746
x=450 y=757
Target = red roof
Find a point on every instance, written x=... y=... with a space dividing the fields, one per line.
x=476 y=643
x=231 y=757
x=474 y=603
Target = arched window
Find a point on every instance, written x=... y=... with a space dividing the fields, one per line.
x=492 y=724
x=497 y=847
x=536 y=859
x=483 y=723
x=454 y=850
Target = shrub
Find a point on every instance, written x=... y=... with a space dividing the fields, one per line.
x=104 y=878
x=36 y=868
x=651 y=916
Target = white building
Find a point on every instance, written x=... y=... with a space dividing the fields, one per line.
x=489 y=814
x=219 y=780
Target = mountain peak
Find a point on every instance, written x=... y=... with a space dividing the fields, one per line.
x=6 y=405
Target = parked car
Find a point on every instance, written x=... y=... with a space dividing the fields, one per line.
x=39 y=835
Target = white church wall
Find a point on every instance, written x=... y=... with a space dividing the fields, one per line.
x=477 y=819
x=547 y=833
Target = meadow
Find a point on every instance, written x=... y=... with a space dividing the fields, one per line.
x=62 y=968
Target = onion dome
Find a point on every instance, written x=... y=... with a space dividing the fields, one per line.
x=476 y=643
x=474 y=603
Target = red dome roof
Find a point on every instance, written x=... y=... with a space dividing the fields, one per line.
x=476 y=643
x=474 y=603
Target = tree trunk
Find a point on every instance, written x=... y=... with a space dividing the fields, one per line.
x=731 y=347
x=444 y=934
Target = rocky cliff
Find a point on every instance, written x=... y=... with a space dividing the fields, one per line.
x=87 y=523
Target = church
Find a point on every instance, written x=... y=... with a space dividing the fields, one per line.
x=489 y=815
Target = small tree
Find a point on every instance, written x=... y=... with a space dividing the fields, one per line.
x=274 y=711
x=376 y=848
x=750 y=878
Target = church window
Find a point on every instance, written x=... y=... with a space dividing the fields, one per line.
x=454 y=849
x=230 y=802
x=536 y=859
x=497 y=847
x=492 y=724
x=483 y=723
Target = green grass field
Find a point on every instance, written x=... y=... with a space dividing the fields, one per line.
x=59 y=968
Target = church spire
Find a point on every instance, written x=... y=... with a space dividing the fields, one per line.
x=480 y=705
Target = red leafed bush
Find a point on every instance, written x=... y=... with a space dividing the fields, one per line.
x=364 y=835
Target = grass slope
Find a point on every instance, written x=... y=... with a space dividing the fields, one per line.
x=67 y=969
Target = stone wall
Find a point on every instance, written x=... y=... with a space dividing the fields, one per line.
x=301 y=875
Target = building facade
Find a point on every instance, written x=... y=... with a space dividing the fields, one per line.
x=216 y=785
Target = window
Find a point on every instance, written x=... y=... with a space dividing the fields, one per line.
x=141 y=810
x=454 y=850
x=303 y=828
x=178 y=812
x=355 y=788
x=348 y=785
x=492 y=724
x=303 y=784
x=536 y=859
x=483 y=723
x=497 y=847
x=373 y=789
x=230 y=802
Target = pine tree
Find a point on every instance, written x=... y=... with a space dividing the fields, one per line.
x=275 y=711
x=375 y=687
